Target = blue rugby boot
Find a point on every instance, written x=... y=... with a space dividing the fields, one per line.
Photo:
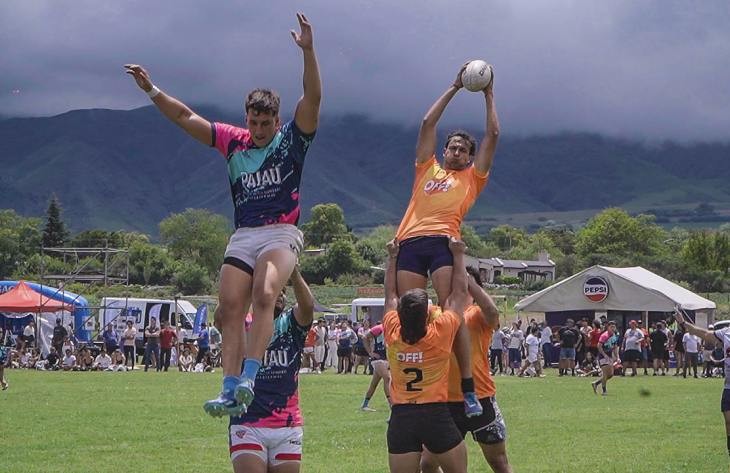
x=472 y=406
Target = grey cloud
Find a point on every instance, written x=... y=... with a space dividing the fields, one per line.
x=650 y=69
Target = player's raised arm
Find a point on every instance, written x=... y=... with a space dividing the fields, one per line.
x=304 y=309
x=306 y=115
x=482 y=299
x=683 y=321
x=485 y=154
x=176 y=111
x=458 y=298
x=390 y=283
x=426 y=143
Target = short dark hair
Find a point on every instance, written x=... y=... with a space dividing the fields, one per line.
x=466 y=136
x=263 y=101
x=474 y=272
x=413 y=312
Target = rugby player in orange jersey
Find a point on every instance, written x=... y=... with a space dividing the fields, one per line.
x=440 y=199
x=419 y=353
x=481 y=318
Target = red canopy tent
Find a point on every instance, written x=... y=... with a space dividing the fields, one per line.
x=22 y=298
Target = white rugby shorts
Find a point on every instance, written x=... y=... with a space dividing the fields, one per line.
x=273 y=446
x=247 y=244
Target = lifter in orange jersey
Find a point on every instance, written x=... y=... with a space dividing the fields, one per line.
x=481 y=319
x=419 y=353
x=440 y=199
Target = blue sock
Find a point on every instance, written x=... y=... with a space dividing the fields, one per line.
x=230 y=383
x=251 y=368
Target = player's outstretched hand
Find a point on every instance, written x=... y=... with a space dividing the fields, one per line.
x=392 y=247
x=457 y=82
x=141 y=76
x=303 y=39
x=457 y=246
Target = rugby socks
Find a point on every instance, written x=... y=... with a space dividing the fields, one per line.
x=365 y=403
x=251 y=368
x=467 y=385
x=728 y=444
x=230 y=383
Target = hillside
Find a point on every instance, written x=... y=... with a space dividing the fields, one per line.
x=130 y=169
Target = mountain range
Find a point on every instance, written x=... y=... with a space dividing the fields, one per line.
x=115 y=169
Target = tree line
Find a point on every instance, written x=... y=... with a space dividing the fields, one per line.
x=191 y=244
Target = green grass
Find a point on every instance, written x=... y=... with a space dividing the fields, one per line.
x=122 y=422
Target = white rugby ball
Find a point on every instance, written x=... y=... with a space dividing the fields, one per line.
x=476 y=76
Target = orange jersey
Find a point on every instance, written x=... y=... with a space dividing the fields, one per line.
x=439 y=201
x=419 y=373
x=480 y=335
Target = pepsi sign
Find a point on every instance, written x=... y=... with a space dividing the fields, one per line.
x=595 y=289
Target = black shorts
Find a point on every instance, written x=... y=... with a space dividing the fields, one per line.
x=659 y=353
x=631 y=356
x=488 y=428
x=344 y=351
x=424 y=255
x=414 y=426
x=725 y=402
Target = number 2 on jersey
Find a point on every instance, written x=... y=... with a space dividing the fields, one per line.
x=419 y=377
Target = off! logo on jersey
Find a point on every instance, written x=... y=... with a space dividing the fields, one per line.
x=595 y=289
x=435 y=185
x=415 y=357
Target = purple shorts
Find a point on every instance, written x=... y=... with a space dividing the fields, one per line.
x=424 y=255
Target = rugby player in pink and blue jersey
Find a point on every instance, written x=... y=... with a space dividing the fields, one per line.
x=265 y=162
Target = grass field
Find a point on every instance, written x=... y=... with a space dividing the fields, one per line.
x=150 y=422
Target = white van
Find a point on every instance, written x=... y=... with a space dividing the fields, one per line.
x=117 y=310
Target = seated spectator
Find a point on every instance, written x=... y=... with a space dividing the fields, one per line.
x=28 y=336
x=85 y=361
x=103 y=361
x=69 y=361
x=186 y=361
x=205 y=365
x=24 y=359
x=118 y=361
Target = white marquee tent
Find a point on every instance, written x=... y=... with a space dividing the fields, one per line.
x=601 y=288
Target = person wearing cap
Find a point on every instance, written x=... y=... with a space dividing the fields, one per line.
x=632 y=347
x=203 y=342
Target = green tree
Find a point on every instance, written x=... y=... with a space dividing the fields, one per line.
x=55 y=233
x=372 y=247
x=149 y=264
x=506 y=237
x=191 y=278
x=614 y=235
x=20 y=238
x=342 y=257
x=326 y=224
x=98 y=239
x=197 y=236
x=475 y=246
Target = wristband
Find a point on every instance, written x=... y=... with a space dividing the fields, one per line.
x=153 y=92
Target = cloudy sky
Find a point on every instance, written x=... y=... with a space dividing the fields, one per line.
x=653 y=69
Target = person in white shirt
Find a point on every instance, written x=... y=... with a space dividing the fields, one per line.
x=29 y=335
x=102 y=361
x=532 y=347
x=69 y=361
x=332 y=334
x=691 y=348
x=495 y=352
x=186 y=361
x=546 y=344
x=632 y=347
x=515 y=345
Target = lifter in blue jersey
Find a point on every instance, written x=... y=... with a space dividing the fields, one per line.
x=268 y=437
x=265 y=162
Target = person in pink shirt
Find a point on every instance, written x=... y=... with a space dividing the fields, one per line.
x=608 y=345
x=265 y=161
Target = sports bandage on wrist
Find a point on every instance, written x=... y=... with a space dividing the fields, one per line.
x=153 y=92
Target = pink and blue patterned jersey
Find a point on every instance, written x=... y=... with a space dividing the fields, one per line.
x=276 y=391
x=264 y=181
